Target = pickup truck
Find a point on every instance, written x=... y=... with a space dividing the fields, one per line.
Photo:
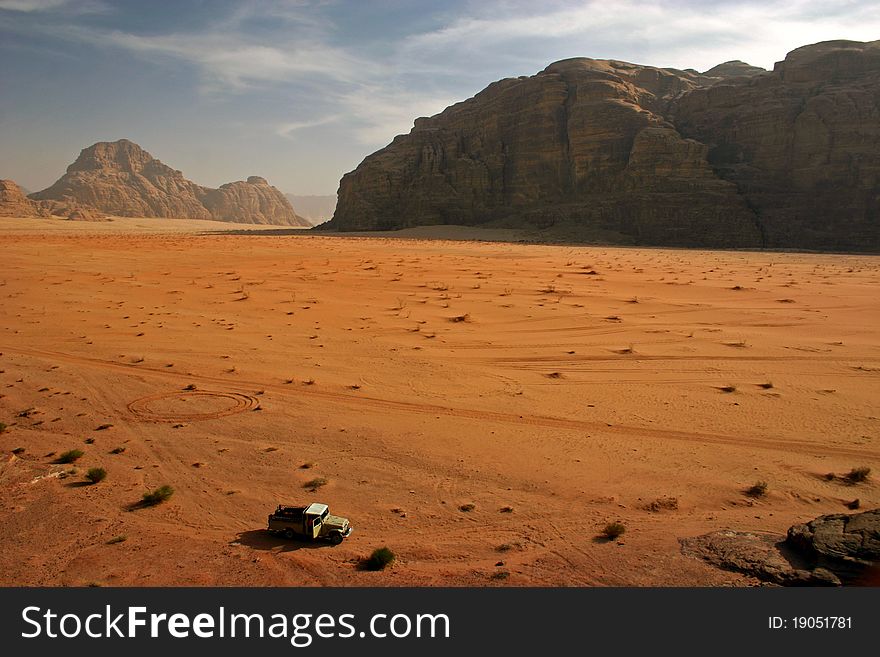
x=312 y=522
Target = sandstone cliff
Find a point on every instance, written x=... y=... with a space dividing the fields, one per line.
x=802 y=144
x=13 y=202
x=638 y=154
x=120 y=178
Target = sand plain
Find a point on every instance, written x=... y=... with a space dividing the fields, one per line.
x=482 y=408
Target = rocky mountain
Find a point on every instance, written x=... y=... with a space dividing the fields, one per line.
x=618 y=152
x=13 y=202
x=120 y=178
x=732 y=69
x=316 y=209
x=801 y=144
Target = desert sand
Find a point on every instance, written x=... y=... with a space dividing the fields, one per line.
x=484 y=408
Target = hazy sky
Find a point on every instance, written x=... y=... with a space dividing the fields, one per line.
x=301 y=91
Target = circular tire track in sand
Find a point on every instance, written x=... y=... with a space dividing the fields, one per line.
x=191 y=405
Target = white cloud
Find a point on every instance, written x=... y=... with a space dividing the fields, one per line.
x=378 y=114
x=696 y=35
x=31 y=5
x=232 y=62
x=69 y=6
x=287 y=129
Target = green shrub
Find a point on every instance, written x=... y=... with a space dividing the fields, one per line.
x=314 y=484
x=96 y=474
x=856 y=475
x=158 y=495
x=2 y=427
x=613 y=530
x=380 y=559
x=70 y=456
x=758 y=489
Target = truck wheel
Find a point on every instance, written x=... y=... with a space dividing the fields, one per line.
x=336 y=538
x=288 y=533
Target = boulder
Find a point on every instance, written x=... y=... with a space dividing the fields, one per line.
x=851 y=538
x=827 y=551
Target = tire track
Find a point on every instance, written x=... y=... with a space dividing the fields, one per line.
x=360 y=401
x=143 y=408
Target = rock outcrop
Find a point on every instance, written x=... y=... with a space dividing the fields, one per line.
x=828 y=550
x=801 y=144
x=13 y=202
x=253 y=201
x=841 y=537
x=86 y=214
x=732 y=69
x=733 y=157
x=120 y=178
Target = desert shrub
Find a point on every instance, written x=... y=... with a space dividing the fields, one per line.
x=117 y=539
x=613 y=530
x=314 y=484
x=117 y=450
x=158 y=495
x=69 y=456
x=856 y=475
x=379 y=560
x=2 y=427
x=467 y=508
x=758 y=489
x=96 y=475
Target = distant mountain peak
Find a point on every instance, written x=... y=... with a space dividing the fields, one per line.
x=121 y=178
x=733 y=68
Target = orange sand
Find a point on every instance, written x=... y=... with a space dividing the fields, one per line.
x=574 y=385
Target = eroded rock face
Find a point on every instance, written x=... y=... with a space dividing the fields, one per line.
x=732 y=157
x=254 y=201
x=801 y=144
x=13 y=202
x=120 y=178
x=583 y=142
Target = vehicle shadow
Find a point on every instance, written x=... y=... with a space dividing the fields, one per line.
x=261 y=539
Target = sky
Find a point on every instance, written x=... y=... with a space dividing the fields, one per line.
x=300 y=91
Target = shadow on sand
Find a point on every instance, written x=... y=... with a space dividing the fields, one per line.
x=79 y=484
x=261 y=539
